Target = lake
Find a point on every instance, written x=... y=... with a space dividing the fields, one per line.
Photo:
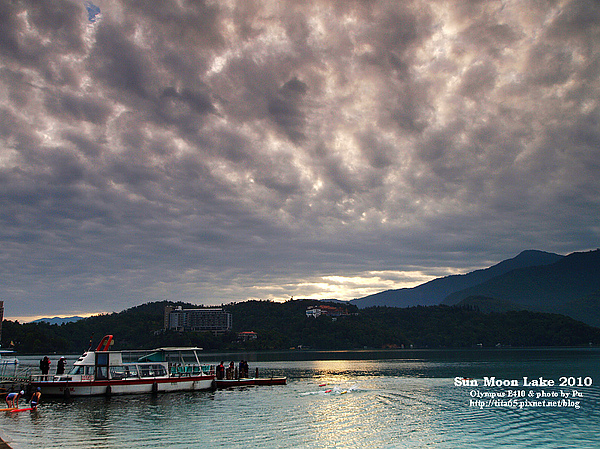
x=346 y=399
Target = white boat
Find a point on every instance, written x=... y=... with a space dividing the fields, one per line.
x=105 y=372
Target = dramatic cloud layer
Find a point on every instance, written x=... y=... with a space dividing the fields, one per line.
x=219 y=151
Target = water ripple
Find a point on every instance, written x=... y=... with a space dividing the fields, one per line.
x=407 y=403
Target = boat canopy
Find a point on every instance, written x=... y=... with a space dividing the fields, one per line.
x=172 y=355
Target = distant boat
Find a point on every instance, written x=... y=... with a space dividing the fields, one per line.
x=105 y=372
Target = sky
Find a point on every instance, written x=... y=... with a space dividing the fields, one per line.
x=222 y=151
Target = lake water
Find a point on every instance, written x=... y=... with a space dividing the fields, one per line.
x=381 y=399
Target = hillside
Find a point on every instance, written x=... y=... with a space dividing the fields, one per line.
x=567 y=286
x=586 y=309
x=489 y=305
x=435 y=291
x=284 y=325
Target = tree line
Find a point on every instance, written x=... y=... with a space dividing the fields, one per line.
x=285 y=325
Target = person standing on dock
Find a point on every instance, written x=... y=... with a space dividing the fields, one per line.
x=220 y=371
x=60 y=366
x=243 y=369
x=12 y=399
x=45 y=367
x=230 y=370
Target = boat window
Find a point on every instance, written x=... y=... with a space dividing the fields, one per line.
x=89 y=370
x=101 y=372
x=101 y=359
x=119 y=372
x=133 y=371
x=152 y=370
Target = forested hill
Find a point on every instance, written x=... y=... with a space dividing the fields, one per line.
x=285 y=325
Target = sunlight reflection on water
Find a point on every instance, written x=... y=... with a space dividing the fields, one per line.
x=342 y=403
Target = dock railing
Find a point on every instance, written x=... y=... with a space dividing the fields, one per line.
x=20 y=376
x=11 y=380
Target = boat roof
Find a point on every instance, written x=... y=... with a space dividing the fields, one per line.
x=169 y=354
x=177 y=348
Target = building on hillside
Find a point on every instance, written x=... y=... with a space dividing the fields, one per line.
x=214 y=320
x=313 y=311
x=247 y=336
x=316 y=311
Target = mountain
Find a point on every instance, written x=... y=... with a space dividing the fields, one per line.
x=435 y=291
x=58 y=320
x=570 y=286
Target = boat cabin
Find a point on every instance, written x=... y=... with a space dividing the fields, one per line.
x=106 y=365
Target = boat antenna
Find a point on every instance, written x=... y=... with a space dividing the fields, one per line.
x=91 y=339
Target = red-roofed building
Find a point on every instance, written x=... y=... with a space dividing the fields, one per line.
x=247 y=335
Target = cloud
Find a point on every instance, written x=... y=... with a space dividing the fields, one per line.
x=216 y=152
